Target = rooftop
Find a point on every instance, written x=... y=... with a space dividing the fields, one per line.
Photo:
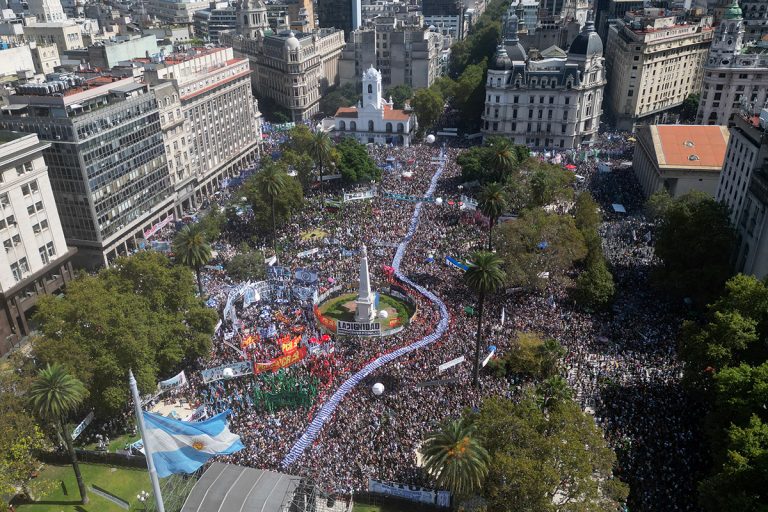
x=690 y=147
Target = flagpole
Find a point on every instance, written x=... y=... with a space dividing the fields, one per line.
x=147 y=450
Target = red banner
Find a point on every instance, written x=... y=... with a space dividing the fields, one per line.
x=280 y=362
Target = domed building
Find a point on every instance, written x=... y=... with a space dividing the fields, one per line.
x=550 y=100
x=374 y=120
x=293 y=69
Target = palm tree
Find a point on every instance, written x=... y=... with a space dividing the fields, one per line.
x=504 y=157
x=553 y=390
x=272 y=181
x=493 y=203
x=192 y=249
x=320 y=147
x=54 y=395
x=455 y=458
x=484 y=276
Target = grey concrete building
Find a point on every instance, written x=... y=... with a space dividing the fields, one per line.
x=403 y=54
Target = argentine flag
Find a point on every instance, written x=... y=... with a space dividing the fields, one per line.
x=182 y=446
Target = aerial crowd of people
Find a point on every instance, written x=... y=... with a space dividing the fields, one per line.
x=621 y=363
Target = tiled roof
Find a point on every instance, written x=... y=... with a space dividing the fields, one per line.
x=690 y=147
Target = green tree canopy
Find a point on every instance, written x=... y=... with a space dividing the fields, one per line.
x=54 y=395
x=273 y=196
x=247 y=265
x=594 y=287
x=399 y=94
x=497 y=160
x=695 y=242
x=428 y=105
x=538 y=242
x=531 y=356
x=493 y=203
x=484 y=277
x=141 y=313
x=191 y=248
x=455 y=458
x=355 y=165
x=21 y=438
x=546 y=460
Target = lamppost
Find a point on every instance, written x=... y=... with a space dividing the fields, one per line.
x=143 y=496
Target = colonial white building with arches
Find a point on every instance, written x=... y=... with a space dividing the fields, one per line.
x=374 y=120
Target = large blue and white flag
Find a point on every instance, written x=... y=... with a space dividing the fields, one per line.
x=182 y=447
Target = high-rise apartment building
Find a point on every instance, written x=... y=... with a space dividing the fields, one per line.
x=655 y=60
x=223 y=121
x=403 y=54
x=217 y=18
x=106 y=159
x=747 y=153
x=552 y=102
x=345 y=15
x=36 y=259
x=743 y=188
x=735 y=73
x=292 y=69
x=445 y=13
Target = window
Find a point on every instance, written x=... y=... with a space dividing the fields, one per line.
x=17 y=275
x=44 y=255
x=25 y=189
x=16 y=239
x=4 y=201
x=31 y=209
x=11 y=220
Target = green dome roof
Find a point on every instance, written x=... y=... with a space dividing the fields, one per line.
x=733 y=12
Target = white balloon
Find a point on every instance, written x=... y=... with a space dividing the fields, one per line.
x=439 y=201
x=430 y=138
x=228 y=373
x=383 y=313
x=378 y=389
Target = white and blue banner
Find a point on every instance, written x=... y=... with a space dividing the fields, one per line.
x=182 y=447
x=176 y=381
x=455 y=263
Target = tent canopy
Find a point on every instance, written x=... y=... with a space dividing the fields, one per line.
x=619 y=208
x=225 y=487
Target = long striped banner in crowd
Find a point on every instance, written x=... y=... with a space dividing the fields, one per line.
x=312 y=431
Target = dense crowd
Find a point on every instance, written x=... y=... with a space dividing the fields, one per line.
x=621 y=363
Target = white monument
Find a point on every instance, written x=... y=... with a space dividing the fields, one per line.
x=365 y=311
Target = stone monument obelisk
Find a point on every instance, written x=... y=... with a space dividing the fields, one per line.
x=365 y=310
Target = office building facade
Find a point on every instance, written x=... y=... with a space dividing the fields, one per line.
x=655 y=61
x=223 y=123
x=106 y=159
x=36 y=260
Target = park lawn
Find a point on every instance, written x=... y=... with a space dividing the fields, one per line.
x=365 y=507
x=125 y=483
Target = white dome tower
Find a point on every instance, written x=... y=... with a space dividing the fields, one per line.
x=372 y=89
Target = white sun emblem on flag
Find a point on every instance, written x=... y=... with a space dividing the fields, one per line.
x=198 y=445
